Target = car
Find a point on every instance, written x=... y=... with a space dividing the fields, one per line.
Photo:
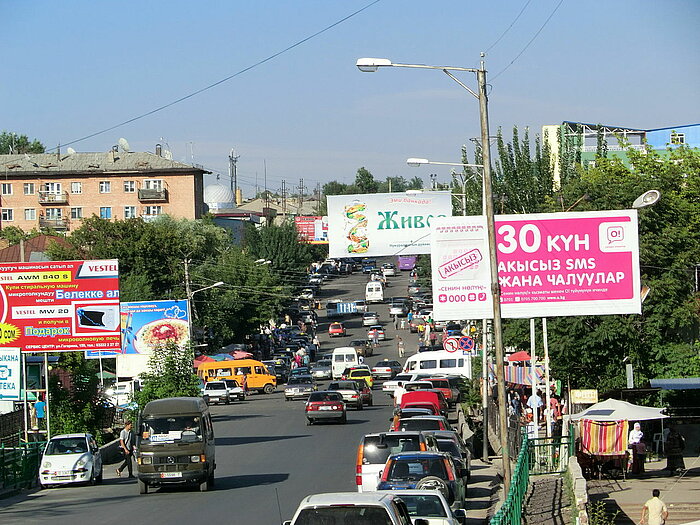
x=413 y=289
x=425 y=470
x=443 y=385
x=316 y=279
x=70 y=458
x=423 y=423
x=360 y=306
x=381 y=336
x=216 y=392
x=370 y=318
x=368 y=268
x=307 y=293
x=299 y=387
x=300 y=371
x=375 y=448
x=455 y=384
x=413 y=325
x=336 y=329
x=432 y=506
x=363 y=347
x=351 y=392
x=389 y=386
x=450 y=442
x=322 y=369
x=389 y=270
x=398 y=308
x=386 y=369
x=365 y=393
x=234 y=389
x=325 y=405
x=353 y=508
x=362 y=374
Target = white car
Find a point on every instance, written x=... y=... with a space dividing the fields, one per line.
x=431 y=505
x=370 y=318
x=70 y=458
x=388 y=270
x=390 y=386
x=235 y=391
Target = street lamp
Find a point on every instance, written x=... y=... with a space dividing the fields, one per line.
x=416 y=162
x=190 y=295
x=371 y=65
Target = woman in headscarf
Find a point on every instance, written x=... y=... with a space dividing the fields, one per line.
x=638 y=449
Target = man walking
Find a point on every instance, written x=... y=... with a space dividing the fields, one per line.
x=402 y=349
x=126 y=443
x=654 y=510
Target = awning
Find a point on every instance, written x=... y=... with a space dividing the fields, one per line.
x=615 y=410
x=679 y=383
x=519 y=356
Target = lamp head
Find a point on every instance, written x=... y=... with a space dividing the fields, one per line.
x=370 y=65
x=414 y=162
x=647 y=199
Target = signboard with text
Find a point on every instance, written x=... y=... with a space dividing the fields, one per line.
x=549 y=265
x=312 y=229
x=60 y=306
x=380 y=224
x=10 y=373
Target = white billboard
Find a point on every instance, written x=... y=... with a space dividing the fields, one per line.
x=549 y=265
x=380 y=224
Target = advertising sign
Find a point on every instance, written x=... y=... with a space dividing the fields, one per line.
x=10 y=370
x=380 y=224
x=581 y=397
x=147 y=325
x=549 y=265
x=312 y=229
x=60 y=306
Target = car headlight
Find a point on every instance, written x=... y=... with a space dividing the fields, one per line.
x=146 y=460
x=194 y=459
x=46 y=464
x=82 y=461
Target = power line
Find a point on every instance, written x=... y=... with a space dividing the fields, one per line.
x=530 y=42
x=509 y=27
x=226 y=79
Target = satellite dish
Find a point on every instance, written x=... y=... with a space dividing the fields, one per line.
x=124 y=145
x=70 y=151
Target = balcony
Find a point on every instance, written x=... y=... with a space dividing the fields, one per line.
x=153 y=195
x=50 y=197
x=55 y=224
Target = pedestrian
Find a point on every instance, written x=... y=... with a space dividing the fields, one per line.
x=126 y=443
x=535 y=402
x=396 y=322
x=375 y=338
x=654 y=510
x=410 y=317
x=361 y=359
x=675 y=443
x=399 y=391
x=40 y=412
x=636 y=444
x=433 y=338
x=402 y=348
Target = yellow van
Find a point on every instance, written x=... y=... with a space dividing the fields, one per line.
x=250 y=372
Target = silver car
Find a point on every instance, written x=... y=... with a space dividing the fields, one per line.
x=370 y=319
x=299 y=387
x=322 y=369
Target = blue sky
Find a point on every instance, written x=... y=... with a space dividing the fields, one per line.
x=70 y=69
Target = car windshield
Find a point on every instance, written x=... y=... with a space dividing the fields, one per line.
x=428 y=506
x=325 y=396
x=360 y=373
x=76 y=445
x=347 y=515
x=215 y=385
x=171 y=429
x=232 y=383
x=323 y=362
x=377 y=449
x=344 y=385
x=298 y=380
x=414 y=469
x=448 y=445
x=420 y=424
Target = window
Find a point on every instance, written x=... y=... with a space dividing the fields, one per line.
x=76 y=187
x=448 y=363
x=106 y=212
x=129 y=212
x=29 y=214
x=154 y=210
x=105 y=186
x=29 y=188
x=153 y=184
x=8 y=214
x=53 y=188
x=76 y=213
x=677 y=138
x=6 y=188
x=425 y=365
x=129 y=186
x=54 y=214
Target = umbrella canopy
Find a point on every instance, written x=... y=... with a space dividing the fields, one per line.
x=615 y=410
x=105 y=375
x=519 y=356
x=240 y=354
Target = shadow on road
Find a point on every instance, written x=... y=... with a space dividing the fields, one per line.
x=252 y=480
x=226 y=441
x=231 y=417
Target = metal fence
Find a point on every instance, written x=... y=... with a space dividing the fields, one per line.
x=550 y=455
x=19 y=465
x=511 y=511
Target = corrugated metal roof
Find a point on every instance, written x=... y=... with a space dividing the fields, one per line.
x=103 y=162
x=679 y=383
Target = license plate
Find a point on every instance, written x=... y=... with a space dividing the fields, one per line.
x=171 y=474
x=325 y=408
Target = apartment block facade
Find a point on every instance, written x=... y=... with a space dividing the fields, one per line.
x=58 y=191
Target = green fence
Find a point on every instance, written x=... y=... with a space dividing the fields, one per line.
x=511 y=511
x=550 y=455
x=19 y=465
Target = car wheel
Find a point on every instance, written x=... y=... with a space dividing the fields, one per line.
x=371 y=401
x=93 y=478
x=286 y=398
x=228 y=401
x=360 y=405
x=269 y=389
x=344 y=419
x=143 y=487
x=99 y=476
x=309 y=422
x=204 y=486
x=433 y=482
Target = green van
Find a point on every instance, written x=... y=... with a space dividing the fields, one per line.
x=175 y=444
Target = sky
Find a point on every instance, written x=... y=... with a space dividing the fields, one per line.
x=294 y=106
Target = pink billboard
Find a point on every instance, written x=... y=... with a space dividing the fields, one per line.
x=549 y=265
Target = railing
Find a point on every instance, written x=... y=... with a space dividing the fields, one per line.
x=511 y=511
x=153 y=195
x=49 y=197
x=19 y=465
x=56 y=224
x=550 y=455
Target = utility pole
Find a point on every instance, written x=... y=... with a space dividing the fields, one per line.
x=318 y=198
x=301 y=194
x=284 y=198
x=232 y=159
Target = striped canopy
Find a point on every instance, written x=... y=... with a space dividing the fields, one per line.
x=604 y=438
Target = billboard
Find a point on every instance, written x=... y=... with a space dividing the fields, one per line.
x=60 y=306
x=312 y=229
x=10 y=373
x=549 y=265
x=379 y=224
x=145 y=326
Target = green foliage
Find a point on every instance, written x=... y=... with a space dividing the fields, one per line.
x=279 y=244
x=17 y=144
x=364 y=181
x=597 y=514
x=170 y=374
x=14 y=235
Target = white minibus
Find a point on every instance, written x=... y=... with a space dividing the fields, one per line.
x=439 y=362
x=374 y=292
x=343 y=357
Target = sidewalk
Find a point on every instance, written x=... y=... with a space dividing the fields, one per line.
x=483 y=492
x=681 y=494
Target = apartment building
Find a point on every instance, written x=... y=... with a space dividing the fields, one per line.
x=59 y=190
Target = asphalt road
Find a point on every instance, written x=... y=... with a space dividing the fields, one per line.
x=267 y=458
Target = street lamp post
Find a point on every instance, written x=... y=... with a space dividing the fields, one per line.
x=371 y=65
x=190 y=295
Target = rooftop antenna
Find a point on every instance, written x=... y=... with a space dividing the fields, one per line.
x=124 y=145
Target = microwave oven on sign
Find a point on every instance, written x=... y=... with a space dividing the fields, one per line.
x=99 y=317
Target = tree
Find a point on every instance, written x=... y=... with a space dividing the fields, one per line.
x=365 y=182
x=11 y=143
x=279 y=244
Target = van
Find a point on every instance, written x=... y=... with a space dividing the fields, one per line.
x=374 y=292
x=175 y=444
x=250 y=372
x=439 y=362
x=343 y=357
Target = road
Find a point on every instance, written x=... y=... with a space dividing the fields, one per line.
x=267 y=458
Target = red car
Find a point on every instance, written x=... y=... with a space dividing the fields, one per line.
x=443 y=385
x=336 y=329
x=325 y=406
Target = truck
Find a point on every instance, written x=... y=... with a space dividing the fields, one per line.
x=339 y=308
